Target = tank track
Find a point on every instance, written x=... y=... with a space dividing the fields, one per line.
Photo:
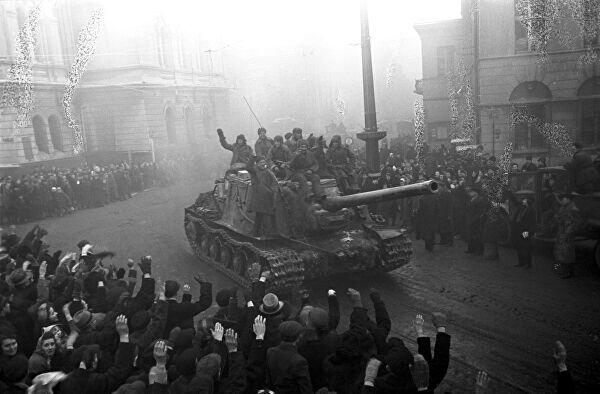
x=396 y=252
x=286 y=267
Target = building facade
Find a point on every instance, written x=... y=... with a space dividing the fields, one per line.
x=504 y=72
x=148 y=89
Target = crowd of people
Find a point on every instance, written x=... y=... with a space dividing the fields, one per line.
x=57 y=191
x=75 y=323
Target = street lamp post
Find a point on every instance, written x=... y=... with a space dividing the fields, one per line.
x=371 y=136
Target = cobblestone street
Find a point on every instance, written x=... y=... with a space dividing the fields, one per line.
x=502 y=319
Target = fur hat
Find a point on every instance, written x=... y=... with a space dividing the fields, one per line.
x=240 y=137
x=270 y=304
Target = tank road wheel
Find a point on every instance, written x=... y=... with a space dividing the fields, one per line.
x=204 y=242
x=214 y=248
x=226 y=256
x=240 y=263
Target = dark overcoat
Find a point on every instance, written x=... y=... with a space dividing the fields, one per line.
x=264 y=186
x=568 y=220
x=444 y=212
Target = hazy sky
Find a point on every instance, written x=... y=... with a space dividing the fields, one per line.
x=273 y=23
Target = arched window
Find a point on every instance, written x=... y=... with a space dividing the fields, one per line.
x=589 y=93
x=40 y=133
x=189 y=123
x=171 y=128
x=55 y=132
x=534 y=97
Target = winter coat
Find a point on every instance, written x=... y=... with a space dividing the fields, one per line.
x=522 y=221
x=287 y=370
x=279 y=154
x=583 y=172
x=427 y=216
x=476 y=209
x=264 y=187
x=81 y=381
x=304 y=162
x=568 y=220
x=262 y=146
x=241 y=152
x=182 y=314
x=444 y=212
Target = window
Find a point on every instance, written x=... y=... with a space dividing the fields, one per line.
x=55 y=133
x=590 y=41
x=27 y=148
x=438 y=131
x=521 y=38
x=40 y=133
x=171 y=128
x=189 y=124
x=527 y=136
x=590 y=122
x=445 y=58
x=589 y=92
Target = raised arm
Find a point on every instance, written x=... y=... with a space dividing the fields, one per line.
x=223 y=141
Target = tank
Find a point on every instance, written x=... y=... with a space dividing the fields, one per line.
x=310 y=240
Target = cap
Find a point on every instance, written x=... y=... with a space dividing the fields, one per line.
x=209 y=364
x=318 y=318
x=290 y=330
x=82 y=319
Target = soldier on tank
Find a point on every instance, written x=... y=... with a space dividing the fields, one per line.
x=278 y=157
x=241 y=151
x=304 y=167
x=264 y=186
x=263 y=144
x=342 y=162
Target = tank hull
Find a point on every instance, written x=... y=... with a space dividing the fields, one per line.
x=357 y=248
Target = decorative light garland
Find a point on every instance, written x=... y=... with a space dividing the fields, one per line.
x=542 y=18
x=419 y=122
x=18 y=90
x=86 y=46
x=462 y=117
x=340 y=106
x=494 y=186
x=389 y=75
x=586 y=14
x=556 y=133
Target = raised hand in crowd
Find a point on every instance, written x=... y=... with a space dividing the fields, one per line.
x=482 y=382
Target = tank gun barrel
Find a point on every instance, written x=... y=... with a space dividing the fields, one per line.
x=417 y=189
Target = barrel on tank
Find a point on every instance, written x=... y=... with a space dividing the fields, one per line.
x=336 y=236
